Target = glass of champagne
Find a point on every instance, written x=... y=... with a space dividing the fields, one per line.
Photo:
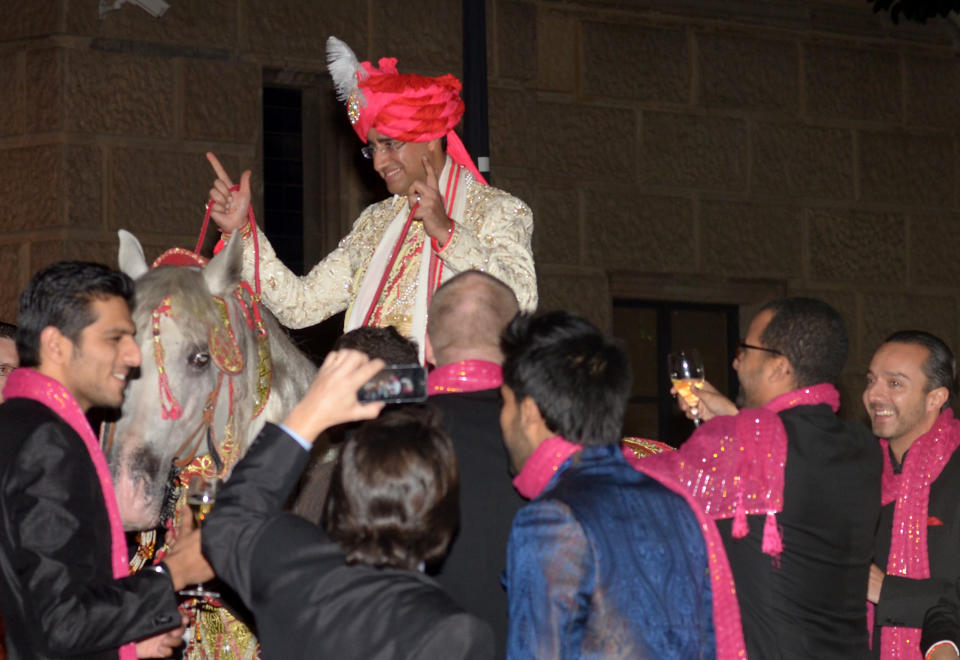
x=686 y=371
x=201 y=495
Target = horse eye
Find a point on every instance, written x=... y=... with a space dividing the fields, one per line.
x=199 y=360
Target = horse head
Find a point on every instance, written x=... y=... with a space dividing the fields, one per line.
x=215 y=366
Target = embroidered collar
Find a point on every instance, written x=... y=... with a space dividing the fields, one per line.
x=542 y=465
x=464 y=376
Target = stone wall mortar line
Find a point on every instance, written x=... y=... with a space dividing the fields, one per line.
x=694 y=54
x=242 y=38
x=234 y=148
x=696 y=240
x=21 y=91
x=805 y=248
x=581 y=229
x=907 y=35
x=179 y=100
x=106 y=187
x=855 y=163
x=907 y=242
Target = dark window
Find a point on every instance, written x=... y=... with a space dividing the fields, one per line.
x=283 y=173
x=651 y=330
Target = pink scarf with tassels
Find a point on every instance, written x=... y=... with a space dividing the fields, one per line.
x=733 y=465
x=726 y=610
x=29 y=384
x=908 y=556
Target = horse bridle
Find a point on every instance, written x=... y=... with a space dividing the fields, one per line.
x=226 y=354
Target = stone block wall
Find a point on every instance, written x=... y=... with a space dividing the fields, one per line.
x=105 y=125
x=708 y=151
x=810 y=145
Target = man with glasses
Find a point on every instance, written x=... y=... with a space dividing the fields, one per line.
x=792 y=487
x=442 y=218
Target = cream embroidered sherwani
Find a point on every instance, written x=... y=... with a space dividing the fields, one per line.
x=492 y=233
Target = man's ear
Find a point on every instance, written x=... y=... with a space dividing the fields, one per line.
x=532 y=422
x=428 y=350
x=779 y=369
x=55 y=347
x=435 y=146
x=936 y=398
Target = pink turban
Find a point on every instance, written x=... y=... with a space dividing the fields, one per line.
x=406 y=107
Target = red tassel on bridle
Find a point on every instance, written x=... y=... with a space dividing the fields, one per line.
x=169 y=406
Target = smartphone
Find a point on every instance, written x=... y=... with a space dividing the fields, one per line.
x=396 y=383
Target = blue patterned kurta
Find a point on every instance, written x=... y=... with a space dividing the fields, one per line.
x=607 y=563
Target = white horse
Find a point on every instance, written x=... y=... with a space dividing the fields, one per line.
x=216 y=365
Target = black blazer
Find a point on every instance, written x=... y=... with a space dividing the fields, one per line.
x=942 y=621
x=488 y=502
x=812 y=603
x=307 y=602
x=57 y=590
x=904 y=601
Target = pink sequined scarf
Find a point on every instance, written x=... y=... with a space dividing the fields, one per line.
x=29 y=384
x=734 y=465
x=908 y=557
x=727 y=627
x=464 y=376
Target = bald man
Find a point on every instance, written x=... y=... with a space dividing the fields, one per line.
x=466 y=318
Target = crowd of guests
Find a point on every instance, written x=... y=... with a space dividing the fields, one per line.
x=504 y=517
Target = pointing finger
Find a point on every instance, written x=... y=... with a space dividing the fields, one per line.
x=218 y=168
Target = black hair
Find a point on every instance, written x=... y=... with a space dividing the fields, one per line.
x=940 y=367
x=60 y=296
x=384 y=343
x=579 y=379
x=811 y=335
x=393 y=498
x=8 y=330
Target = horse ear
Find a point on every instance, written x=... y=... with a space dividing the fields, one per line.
x=130 y=257
x=223 y=272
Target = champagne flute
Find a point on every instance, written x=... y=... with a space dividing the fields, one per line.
x=686 y=371
x=201 y=495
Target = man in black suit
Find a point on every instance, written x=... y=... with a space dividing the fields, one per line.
x=941 y=627
x=64 y=584
x=355 y=591
x=910 y=382
x=467 y=316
